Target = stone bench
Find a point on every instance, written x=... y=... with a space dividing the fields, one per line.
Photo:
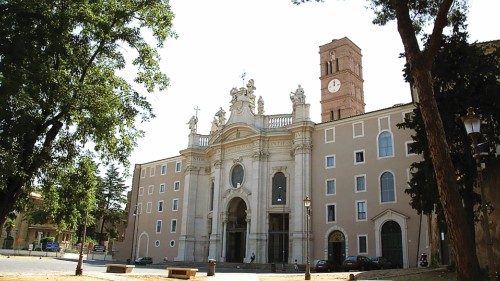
x=181 y=272
x=119 y=268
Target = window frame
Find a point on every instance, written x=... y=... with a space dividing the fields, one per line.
x=359 y=244
x=178 y=166
x=358 y=210
x=149 y=207
x=407 y=148
x=160 y=224
x=141 y=191
x=362 y=129
x=392 y=145
x=162 y=206
x=334 y=212
x=326 y=161
x=356 y=183
x=178 y=184
x=393 y=187
x=173 y=225
x=175 y=204
x=162 y=188
x=364 y=156
x=332 y=129
x=334 y=186
x=151 y=189
x=163 y=169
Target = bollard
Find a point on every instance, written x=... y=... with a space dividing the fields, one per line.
x=211 y=267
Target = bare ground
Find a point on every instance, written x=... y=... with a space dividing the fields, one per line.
x=394 y=275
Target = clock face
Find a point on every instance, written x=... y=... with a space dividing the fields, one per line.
x=334 y=85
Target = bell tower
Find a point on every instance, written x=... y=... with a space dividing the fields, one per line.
x=341 y=80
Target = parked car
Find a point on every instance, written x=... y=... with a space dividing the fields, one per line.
x=144 y=260
x=325 y=266
x=381 y=263
x=357 y=263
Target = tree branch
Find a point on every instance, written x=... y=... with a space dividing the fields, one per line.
x=435 y=39
x=406 y=30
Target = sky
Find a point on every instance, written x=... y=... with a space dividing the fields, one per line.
x=275 y=43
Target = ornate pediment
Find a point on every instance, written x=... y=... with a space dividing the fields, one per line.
x=236 y=192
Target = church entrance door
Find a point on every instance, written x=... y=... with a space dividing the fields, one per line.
x=336 y=247
x=236 y=230
x=278 y=238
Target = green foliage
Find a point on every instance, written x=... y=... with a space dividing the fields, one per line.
x=68 y=195
x=47 y=239
x=464 y=76
x=59 y=87
x=111 y=199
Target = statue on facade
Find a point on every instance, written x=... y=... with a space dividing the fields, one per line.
x=221 y=114
x=260 y=106
x=192 y=124
x=298 y=97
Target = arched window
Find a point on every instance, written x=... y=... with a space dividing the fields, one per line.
x=385 y=144
x=279 y=189
x=237 y=175
x=387 y=187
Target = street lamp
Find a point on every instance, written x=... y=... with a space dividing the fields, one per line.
x=472 y=123
x=133 y=252
x=79 y=270
x=307 y=204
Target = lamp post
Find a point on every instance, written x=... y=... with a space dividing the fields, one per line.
x=282 y=201
x=135 y=214
x=472 y=123
x=307 y=204
x=79 y=270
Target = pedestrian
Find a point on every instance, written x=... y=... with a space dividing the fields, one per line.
x=295 y=266
x=252 y=258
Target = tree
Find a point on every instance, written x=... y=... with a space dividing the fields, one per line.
x=59 y=89
x=110 y=204
x=411 y=17
x=69 y=194
x=470 y=81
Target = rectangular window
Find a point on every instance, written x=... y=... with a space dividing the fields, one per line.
x=361 y=210
x=151 y=189
x=359 y=156
x=360 y=183
x=384 y=123
x=175 y=204
x=358 y=130
x=143 y=172
x=362 y=244
x=408 y=116
x=410 y=148
x=178 y=167
x=330 y=213
x=173 y=226
x=149 y=206
x=158 y=226
x=162 y=187
x=160 y=206
x=177 y=185
x=152 y=171
x=330 y=135
x=330 y=161
x=330 y=187
x=163 y=169
x=141 y=191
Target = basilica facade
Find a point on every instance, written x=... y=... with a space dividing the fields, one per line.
x=239 y=190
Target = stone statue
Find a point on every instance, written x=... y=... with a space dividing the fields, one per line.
x=260 y=106
x=298 y=97
x=222 y=117
x=192 y=124
x=250 y=86
x=215 y=125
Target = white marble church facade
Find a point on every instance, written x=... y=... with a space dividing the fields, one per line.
x=239 y=190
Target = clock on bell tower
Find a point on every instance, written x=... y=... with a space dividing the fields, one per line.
x=341 y=80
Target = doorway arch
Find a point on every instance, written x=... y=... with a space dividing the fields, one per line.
x=336 y=247
x=142 y=245
x=392 y=242
x=236 y=230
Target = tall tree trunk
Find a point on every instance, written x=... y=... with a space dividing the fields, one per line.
x=8 y=197
x=458 y=227
x=435 y=257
